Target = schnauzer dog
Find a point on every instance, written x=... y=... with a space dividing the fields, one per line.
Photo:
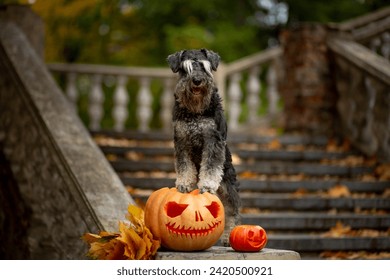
x=202 y=158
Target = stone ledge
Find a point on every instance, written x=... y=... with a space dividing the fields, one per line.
x=227 y=253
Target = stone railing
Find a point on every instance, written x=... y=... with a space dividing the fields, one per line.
x=251 y=68
x=91 y=80
x=62 y=177
x=371 y=30
x=150 y=86
x=361 y=49
x=363 y=85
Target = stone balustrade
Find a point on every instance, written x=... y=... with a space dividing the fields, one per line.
x=337 y=81
x=363 y=84
x=360 y=49
x=247 y=90
x=155 y=86
x=371 y=30
x=89 y=79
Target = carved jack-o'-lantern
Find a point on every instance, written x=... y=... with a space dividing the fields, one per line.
x=248 y=238
x=185 y=221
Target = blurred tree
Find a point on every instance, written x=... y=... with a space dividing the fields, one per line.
x=330 y=10
x=144 y=32
x=222 y=25
x=76 y=30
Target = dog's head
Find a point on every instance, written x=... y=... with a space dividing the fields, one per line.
x=196 y=79
x=186 y=60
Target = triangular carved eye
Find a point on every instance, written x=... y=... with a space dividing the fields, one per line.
x=214 y=209
x=174 y=209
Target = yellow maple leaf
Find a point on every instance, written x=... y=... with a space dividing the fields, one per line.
x=248 y=175
x=111 y=250
x=135 y=247
x=339 y=230
x=155 y=243
x=274 y=145
x=104 y=246
x=136 y=216
x=91 y=238
x=134 y=240
x=339 y=191
x=144 y=243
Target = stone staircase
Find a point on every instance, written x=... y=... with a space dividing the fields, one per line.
x=312 y=195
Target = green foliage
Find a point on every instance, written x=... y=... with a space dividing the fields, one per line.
x=188 y=36
x=144 y=32
x=231 y=41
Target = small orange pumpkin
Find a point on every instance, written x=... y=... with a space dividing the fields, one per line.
x=248 y=238
x=185 y=221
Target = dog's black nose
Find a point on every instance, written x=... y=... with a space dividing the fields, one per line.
x=196 y=81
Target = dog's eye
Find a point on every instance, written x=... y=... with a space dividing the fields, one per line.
x=187 y=65
x=207 y=66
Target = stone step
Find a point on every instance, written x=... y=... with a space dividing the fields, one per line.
x=269 y=185
x=317 y=243
x=267 y=168
x=233 y=138
x=305 y=155
x=313 y=185
x=284 y=189
x=258 y=155
x=298 y=221
x=277 y=201
x=311 y=202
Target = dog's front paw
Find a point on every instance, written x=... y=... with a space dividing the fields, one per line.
x=209 y=189
x=184 y=188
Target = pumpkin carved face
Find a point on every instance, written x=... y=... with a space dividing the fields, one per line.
x=185 y=221
x=248 y=238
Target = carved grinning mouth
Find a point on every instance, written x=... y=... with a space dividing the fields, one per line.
x=191 y=232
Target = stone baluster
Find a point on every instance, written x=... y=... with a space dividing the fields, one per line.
x=96 y=100
x=144 y=112
x=355 y=76
x=367 y=130
x=71 y=89
x=235 y=95
x=121 y=99
x=254 y=88
x=272 y=92
x=375 y=44
x=385 y=48
x=166 y=104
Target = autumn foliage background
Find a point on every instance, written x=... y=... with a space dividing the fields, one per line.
x=144 y=32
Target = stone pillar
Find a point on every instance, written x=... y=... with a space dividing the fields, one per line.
x=307 y=89
x=29 y=22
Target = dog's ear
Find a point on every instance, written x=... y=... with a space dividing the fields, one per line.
x=174 y=61
x=213 y=57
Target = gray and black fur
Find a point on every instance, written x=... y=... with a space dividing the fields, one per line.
x=202 y=158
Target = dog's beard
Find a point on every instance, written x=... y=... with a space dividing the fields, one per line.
x=194 y=99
